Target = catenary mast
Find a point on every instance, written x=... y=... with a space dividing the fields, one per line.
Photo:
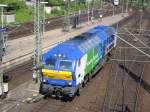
x=38 y=42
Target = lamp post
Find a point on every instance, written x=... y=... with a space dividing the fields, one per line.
x=2 y=36
x=44 y=16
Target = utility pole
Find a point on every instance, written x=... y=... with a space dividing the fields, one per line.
x=66 y=19
x=2 y=48
x=38 y=42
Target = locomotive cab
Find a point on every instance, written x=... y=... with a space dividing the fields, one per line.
x=58 y=77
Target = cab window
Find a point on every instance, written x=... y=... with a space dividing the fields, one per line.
x=50 y=63
x=65 y=65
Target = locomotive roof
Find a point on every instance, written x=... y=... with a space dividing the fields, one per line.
x=78 y=46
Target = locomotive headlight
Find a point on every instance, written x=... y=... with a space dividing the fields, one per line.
x=44 y=80
x=59 y=55
x=69 y=83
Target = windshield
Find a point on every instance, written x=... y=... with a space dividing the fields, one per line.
x=65 y=65
x=50 y=63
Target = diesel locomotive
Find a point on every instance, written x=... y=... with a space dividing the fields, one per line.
x=69 y=65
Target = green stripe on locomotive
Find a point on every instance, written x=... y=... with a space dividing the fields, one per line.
x=93 y=57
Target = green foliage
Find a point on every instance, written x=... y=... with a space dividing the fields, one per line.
x=13 y=5
x=24 y=15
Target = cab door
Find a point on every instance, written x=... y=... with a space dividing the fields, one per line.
x=80 y=69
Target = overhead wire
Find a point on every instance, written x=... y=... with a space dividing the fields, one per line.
x=138 y=39
x=148 y=55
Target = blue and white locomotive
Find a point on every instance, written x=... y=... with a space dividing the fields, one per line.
x=69 y=65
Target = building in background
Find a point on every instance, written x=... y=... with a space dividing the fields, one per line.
x=9 y=17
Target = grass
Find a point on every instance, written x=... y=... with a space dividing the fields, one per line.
x=24 y=15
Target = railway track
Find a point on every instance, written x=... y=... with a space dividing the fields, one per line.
x=25 y=71
x=20 y=75
x=88 y=102
x=113 y=90
x=90 y=99
x=124 y=94
x=57 y=22
x=92 y=96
